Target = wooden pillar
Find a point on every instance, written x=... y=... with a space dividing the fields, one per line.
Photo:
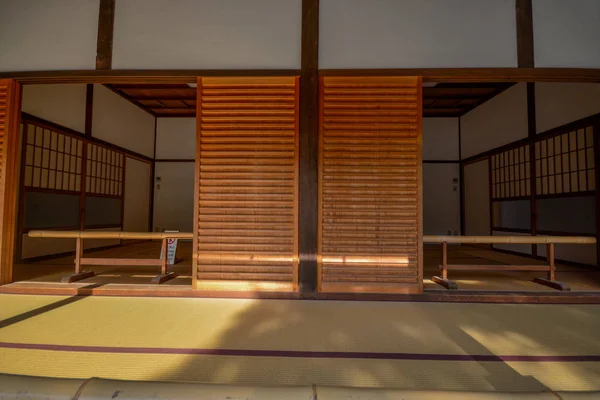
x=597 y=176
x=531 y=134
x=106 y=22
x=10 y=107
x=461 y=178
x=309 y=126
x=526 y=59
x=525 y=51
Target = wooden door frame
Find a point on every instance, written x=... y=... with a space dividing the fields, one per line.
x=448 y=75
x=8 y=179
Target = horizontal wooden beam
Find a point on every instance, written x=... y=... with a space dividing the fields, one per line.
x=129 y=99
x=161 y=98
x=91 y=139
x=461 y=75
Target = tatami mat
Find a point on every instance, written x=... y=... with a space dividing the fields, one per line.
x=399 y=345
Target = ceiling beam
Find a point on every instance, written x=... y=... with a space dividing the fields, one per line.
x=525 y=48
x=129 y=99
x=455 y=75
x=104 y=46
x=160 y=98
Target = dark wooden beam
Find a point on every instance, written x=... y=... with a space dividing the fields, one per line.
x=158 y=98
x=309 y=128
x=89 y=108
x=597 y=175
x=129 y=99
x=106 y=23
x=484 y=99
x=152 y=177
x=525 y=50
x=456 y=75
x=461 y=180
x=531 y=135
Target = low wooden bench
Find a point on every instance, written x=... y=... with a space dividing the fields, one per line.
x=80 y=261
x=549 y=268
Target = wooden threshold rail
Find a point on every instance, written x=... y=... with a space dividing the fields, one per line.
x=79 y=236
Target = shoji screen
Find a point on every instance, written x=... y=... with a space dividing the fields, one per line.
x=370 y=218
x=247 y=184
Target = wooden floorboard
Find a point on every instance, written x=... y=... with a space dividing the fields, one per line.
x=474 y=286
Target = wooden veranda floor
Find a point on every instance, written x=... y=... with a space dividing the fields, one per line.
x=47 y=274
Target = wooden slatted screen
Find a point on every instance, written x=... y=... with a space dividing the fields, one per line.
x=370 y=218
x=9 y=123
x=247 y=184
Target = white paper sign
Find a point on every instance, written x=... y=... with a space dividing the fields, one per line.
x=171 y=250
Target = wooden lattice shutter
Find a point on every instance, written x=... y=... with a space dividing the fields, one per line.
x=370 y=237
x=9 y=121
x=247 y=184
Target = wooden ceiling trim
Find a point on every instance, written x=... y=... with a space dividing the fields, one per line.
x=133 y=101
x=442 y=100
x=590 y=75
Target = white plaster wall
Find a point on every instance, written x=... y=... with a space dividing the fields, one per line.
x=477 y=199
x=440 y=138
x=499 y=121
x=120 y=122
x=559 y=103
x=62 y=104
x=197 y=34
x=136 y=213
x=174 y=196
x=176 y=138
x=566 y=33
x=417 y=33
x=441 y=199
x=40 y=35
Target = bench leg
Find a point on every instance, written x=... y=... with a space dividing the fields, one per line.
x=550 y=282
x=164 y=275
x=77 y=277
x=443 y=280
x=447 y=283
x=79 y=274
x=563 y=287
x=158 y=279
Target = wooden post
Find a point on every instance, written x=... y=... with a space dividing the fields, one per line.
x=308 y=146
x=106 y=23
x=550 y=258
x=597 y=186
x=10 y=107
x=531 y=134
x=525 y=48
